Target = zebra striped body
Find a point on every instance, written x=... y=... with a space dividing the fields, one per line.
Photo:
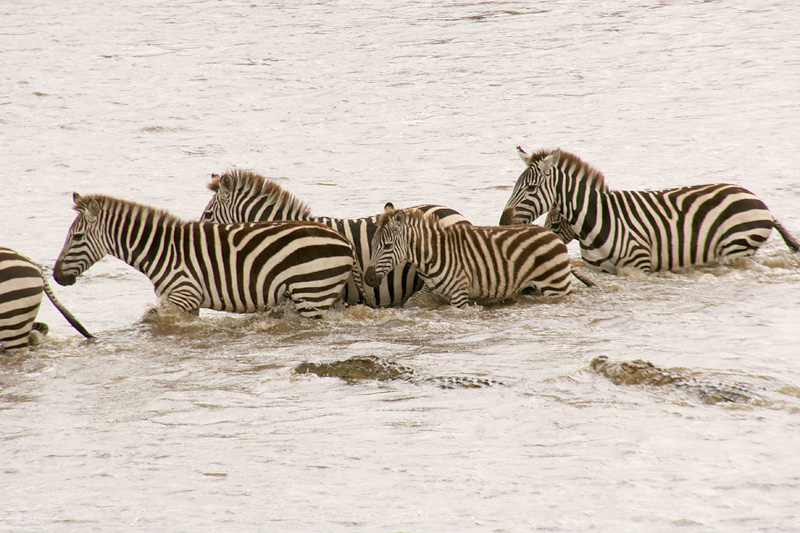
x=21 y=286
x=241 y=268
x=650 y=230
x=470 y=263
x=242 y=196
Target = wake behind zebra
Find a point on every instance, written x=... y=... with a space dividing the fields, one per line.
x=241 y=268
x=650 y=230
x=464 y=263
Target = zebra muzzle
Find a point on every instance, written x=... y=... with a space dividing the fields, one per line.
x=371 y=278
x=507 y=218
x=63 y=279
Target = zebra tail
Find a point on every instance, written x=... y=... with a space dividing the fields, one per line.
x=69 y=316
x=585 y=281
x=790 y=241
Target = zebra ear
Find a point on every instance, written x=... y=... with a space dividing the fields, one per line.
x=522 y=155
x=225 y=184
x=399 y=217
x=76 y=198
x=389 y=206
x=546 y=164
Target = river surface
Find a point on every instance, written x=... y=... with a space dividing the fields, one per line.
x=173 y=424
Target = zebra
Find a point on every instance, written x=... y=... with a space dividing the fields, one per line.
x=244 y=196
x=649 y=230
x=464 y=263
x=241 y=268
x=21 y=285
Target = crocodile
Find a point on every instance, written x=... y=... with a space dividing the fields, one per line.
x=639 y=372
x=355 y=369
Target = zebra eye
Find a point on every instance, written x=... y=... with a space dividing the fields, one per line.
x=78 y=236
x=208 y=215
x=532 y=187
x=387 y=246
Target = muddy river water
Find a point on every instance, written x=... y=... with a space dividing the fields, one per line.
x=167 y=423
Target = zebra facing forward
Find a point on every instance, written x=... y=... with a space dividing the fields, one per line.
x=21 y=287
x=243 y=196
x=241 y=268
x=463 y=263
x=649 y=230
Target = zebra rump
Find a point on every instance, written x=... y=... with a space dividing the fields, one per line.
x=471 y=263
x=21 y=285
x=244 y=196
x=661 y=230
x=241 y=268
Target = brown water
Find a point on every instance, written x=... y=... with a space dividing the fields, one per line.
x=175 y=423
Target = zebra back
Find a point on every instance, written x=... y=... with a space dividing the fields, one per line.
x=243 y=196
x=243 y=267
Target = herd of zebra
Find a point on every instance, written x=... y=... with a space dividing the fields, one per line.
x=257 y=246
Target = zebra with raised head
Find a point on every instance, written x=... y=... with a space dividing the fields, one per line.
x=243 y=196
x=21 y=286
x=240 y=268
x=650 y=230
x=466 y=263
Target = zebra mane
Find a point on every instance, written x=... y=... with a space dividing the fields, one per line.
x=108 y=202
x=414 y=217
x=254 y=184
x=575 y=165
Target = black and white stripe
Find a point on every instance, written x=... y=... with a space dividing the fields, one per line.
x=243 y=196
x=650 y=230
x=21 y=287
x=470 y=263
x=241 y=268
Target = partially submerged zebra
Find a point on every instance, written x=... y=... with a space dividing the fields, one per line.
x=243 y=196
x=241 y=268
x=21 y=285
x=470 y=263
x=650 y=230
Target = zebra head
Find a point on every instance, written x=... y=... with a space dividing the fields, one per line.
x=220 y=209
x=244 y=196
x=534 y=192
x=85 y=244
x=388 y=245
x=559 y=225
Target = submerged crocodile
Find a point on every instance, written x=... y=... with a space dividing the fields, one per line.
x=641 y=372
x=371 y=367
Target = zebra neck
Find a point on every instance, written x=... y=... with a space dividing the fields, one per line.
x=426 y=246
x=145 y=241
x=579 y=198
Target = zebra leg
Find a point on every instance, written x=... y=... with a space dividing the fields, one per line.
x=37 y=334
x=186 y=297
x=459 y=297
x=554 y=287
x=309 y=304
x=305 y=310
x=15 y=331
